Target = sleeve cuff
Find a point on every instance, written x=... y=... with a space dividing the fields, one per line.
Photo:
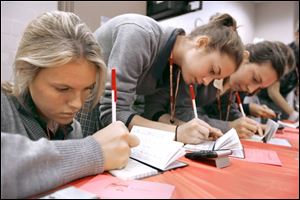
x=129 y=120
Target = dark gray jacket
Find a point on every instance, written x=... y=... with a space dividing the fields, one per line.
x=30 y=163
x=207 y=106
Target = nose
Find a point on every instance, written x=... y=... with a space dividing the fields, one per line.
x=76 y=101
x=207 y=80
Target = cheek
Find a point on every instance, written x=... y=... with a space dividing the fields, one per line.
x=202 y=70
x=233 y=79
x=48 y=101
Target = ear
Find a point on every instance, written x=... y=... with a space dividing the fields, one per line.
x=246 y=55
x=202 y=41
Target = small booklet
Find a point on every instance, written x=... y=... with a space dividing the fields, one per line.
x=156 y=152
x=228 y=141
x=271 y=129
x=134 y=170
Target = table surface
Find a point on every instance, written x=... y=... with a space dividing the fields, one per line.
x=241 y=179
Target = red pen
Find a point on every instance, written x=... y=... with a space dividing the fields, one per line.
x=114 y=94
x=240 y=103
x=193 y=100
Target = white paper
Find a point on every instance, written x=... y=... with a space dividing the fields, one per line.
x=157 y=148
x=279 y=141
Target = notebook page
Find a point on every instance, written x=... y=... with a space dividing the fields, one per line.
x=279 y=141
x=270 y=130
x=179 y=154
x=290 y=125
x=156 y=147
x=230 y=140
x=207 y=145
x=134 y=170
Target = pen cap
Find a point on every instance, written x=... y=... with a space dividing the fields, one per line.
x=114 y=82
x=192 y=92
x=238 y=98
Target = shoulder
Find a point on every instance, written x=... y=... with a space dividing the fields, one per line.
x=139 y=21
x=4 y=98
x=133 y=25
x=10 y=117
x=6 y=103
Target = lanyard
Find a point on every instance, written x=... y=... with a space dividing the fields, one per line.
x=172 y=96
x=228 y=104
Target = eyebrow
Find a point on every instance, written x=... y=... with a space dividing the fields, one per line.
x=219 y=69
x=64 y=85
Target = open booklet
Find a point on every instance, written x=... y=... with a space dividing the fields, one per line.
x=156 y=152
x=267 y=137
x=230 y=140
x=271 y=129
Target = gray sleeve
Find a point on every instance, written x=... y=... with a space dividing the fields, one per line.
x=32 y=167
x=130 y=53
x=216 y=123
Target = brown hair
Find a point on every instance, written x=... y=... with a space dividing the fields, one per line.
x=223 y=36
x=267 y=51
x=289 y=57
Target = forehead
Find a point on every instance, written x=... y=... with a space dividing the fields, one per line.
x=75 y=73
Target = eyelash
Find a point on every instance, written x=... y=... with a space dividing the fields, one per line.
x=62 y=89
x=255 y=80
x=212 y=71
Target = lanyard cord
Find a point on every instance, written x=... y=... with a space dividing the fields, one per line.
x=172 y=96
x=228 y=104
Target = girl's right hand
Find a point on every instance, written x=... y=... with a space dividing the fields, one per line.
x=245 y=127
x=196 y=131
x=262 y=111
x=115 y=142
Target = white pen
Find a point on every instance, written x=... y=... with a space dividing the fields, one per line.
x=193 y=100
x=114 y=94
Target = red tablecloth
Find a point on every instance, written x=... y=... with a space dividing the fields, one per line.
x=241 y=179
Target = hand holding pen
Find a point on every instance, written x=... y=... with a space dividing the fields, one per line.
x=196 y=131
x=214 y=132
x=248 y=128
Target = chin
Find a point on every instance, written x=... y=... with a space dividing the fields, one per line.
x=64 y=121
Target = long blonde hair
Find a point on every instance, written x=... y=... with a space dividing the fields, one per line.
x=53 y=39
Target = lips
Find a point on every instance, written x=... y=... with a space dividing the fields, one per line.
x=68 y=114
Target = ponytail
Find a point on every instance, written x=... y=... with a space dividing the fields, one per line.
x=224 y=20
x=223 y=36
